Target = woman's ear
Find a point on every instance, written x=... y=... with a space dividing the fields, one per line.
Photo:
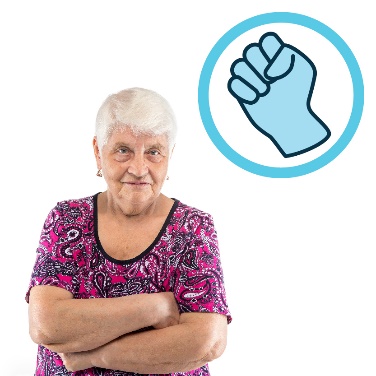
x=172 y=150
x=97 y=153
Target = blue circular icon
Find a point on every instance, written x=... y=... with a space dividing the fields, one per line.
x=269 y=171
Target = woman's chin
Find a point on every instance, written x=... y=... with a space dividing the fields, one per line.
x=136 y=203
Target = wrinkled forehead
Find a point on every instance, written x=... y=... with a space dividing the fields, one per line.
x=129 y=137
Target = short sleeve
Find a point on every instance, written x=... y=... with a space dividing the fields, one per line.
x=54 y=265
x=199 y=280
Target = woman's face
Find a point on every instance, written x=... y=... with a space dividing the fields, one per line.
x=134 y=167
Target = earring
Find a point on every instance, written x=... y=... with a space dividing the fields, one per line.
x=168 y=178
x=99 y=173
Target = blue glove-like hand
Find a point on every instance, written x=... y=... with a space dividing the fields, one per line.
x=273 y=84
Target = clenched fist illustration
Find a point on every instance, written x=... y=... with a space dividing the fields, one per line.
x=273 y=83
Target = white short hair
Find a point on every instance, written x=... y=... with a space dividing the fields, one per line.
x=141 y=110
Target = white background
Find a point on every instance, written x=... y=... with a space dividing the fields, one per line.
x=298 y=254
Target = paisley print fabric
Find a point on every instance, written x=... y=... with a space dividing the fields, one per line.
x=184 y=259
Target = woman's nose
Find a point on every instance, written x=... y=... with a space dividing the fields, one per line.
x=138 y=166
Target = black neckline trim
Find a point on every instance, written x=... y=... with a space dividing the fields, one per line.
x=143 y=253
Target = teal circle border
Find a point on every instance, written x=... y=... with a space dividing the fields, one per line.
x=339 y=44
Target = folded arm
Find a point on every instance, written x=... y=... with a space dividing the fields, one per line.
x=63 y=324
x=198 y=339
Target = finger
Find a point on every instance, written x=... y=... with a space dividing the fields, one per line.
x=281 y=57
x=241 y=68
x=242 y=91
x=281 y=65
x=271 y=43
x=253 y=55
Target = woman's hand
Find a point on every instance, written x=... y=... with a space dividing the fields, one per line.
x=76 y=361
x=167 y=310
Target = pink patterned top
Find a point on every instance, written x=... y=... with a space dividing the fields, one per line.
x=184 y=258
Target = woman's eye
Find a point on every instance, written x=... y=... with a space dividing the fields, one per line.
x=154 y=152
x=154 y=155
x=123 y=150
x=122 y=154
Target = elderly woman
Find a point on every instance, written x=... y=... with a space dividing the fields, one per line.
x=128 y=281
